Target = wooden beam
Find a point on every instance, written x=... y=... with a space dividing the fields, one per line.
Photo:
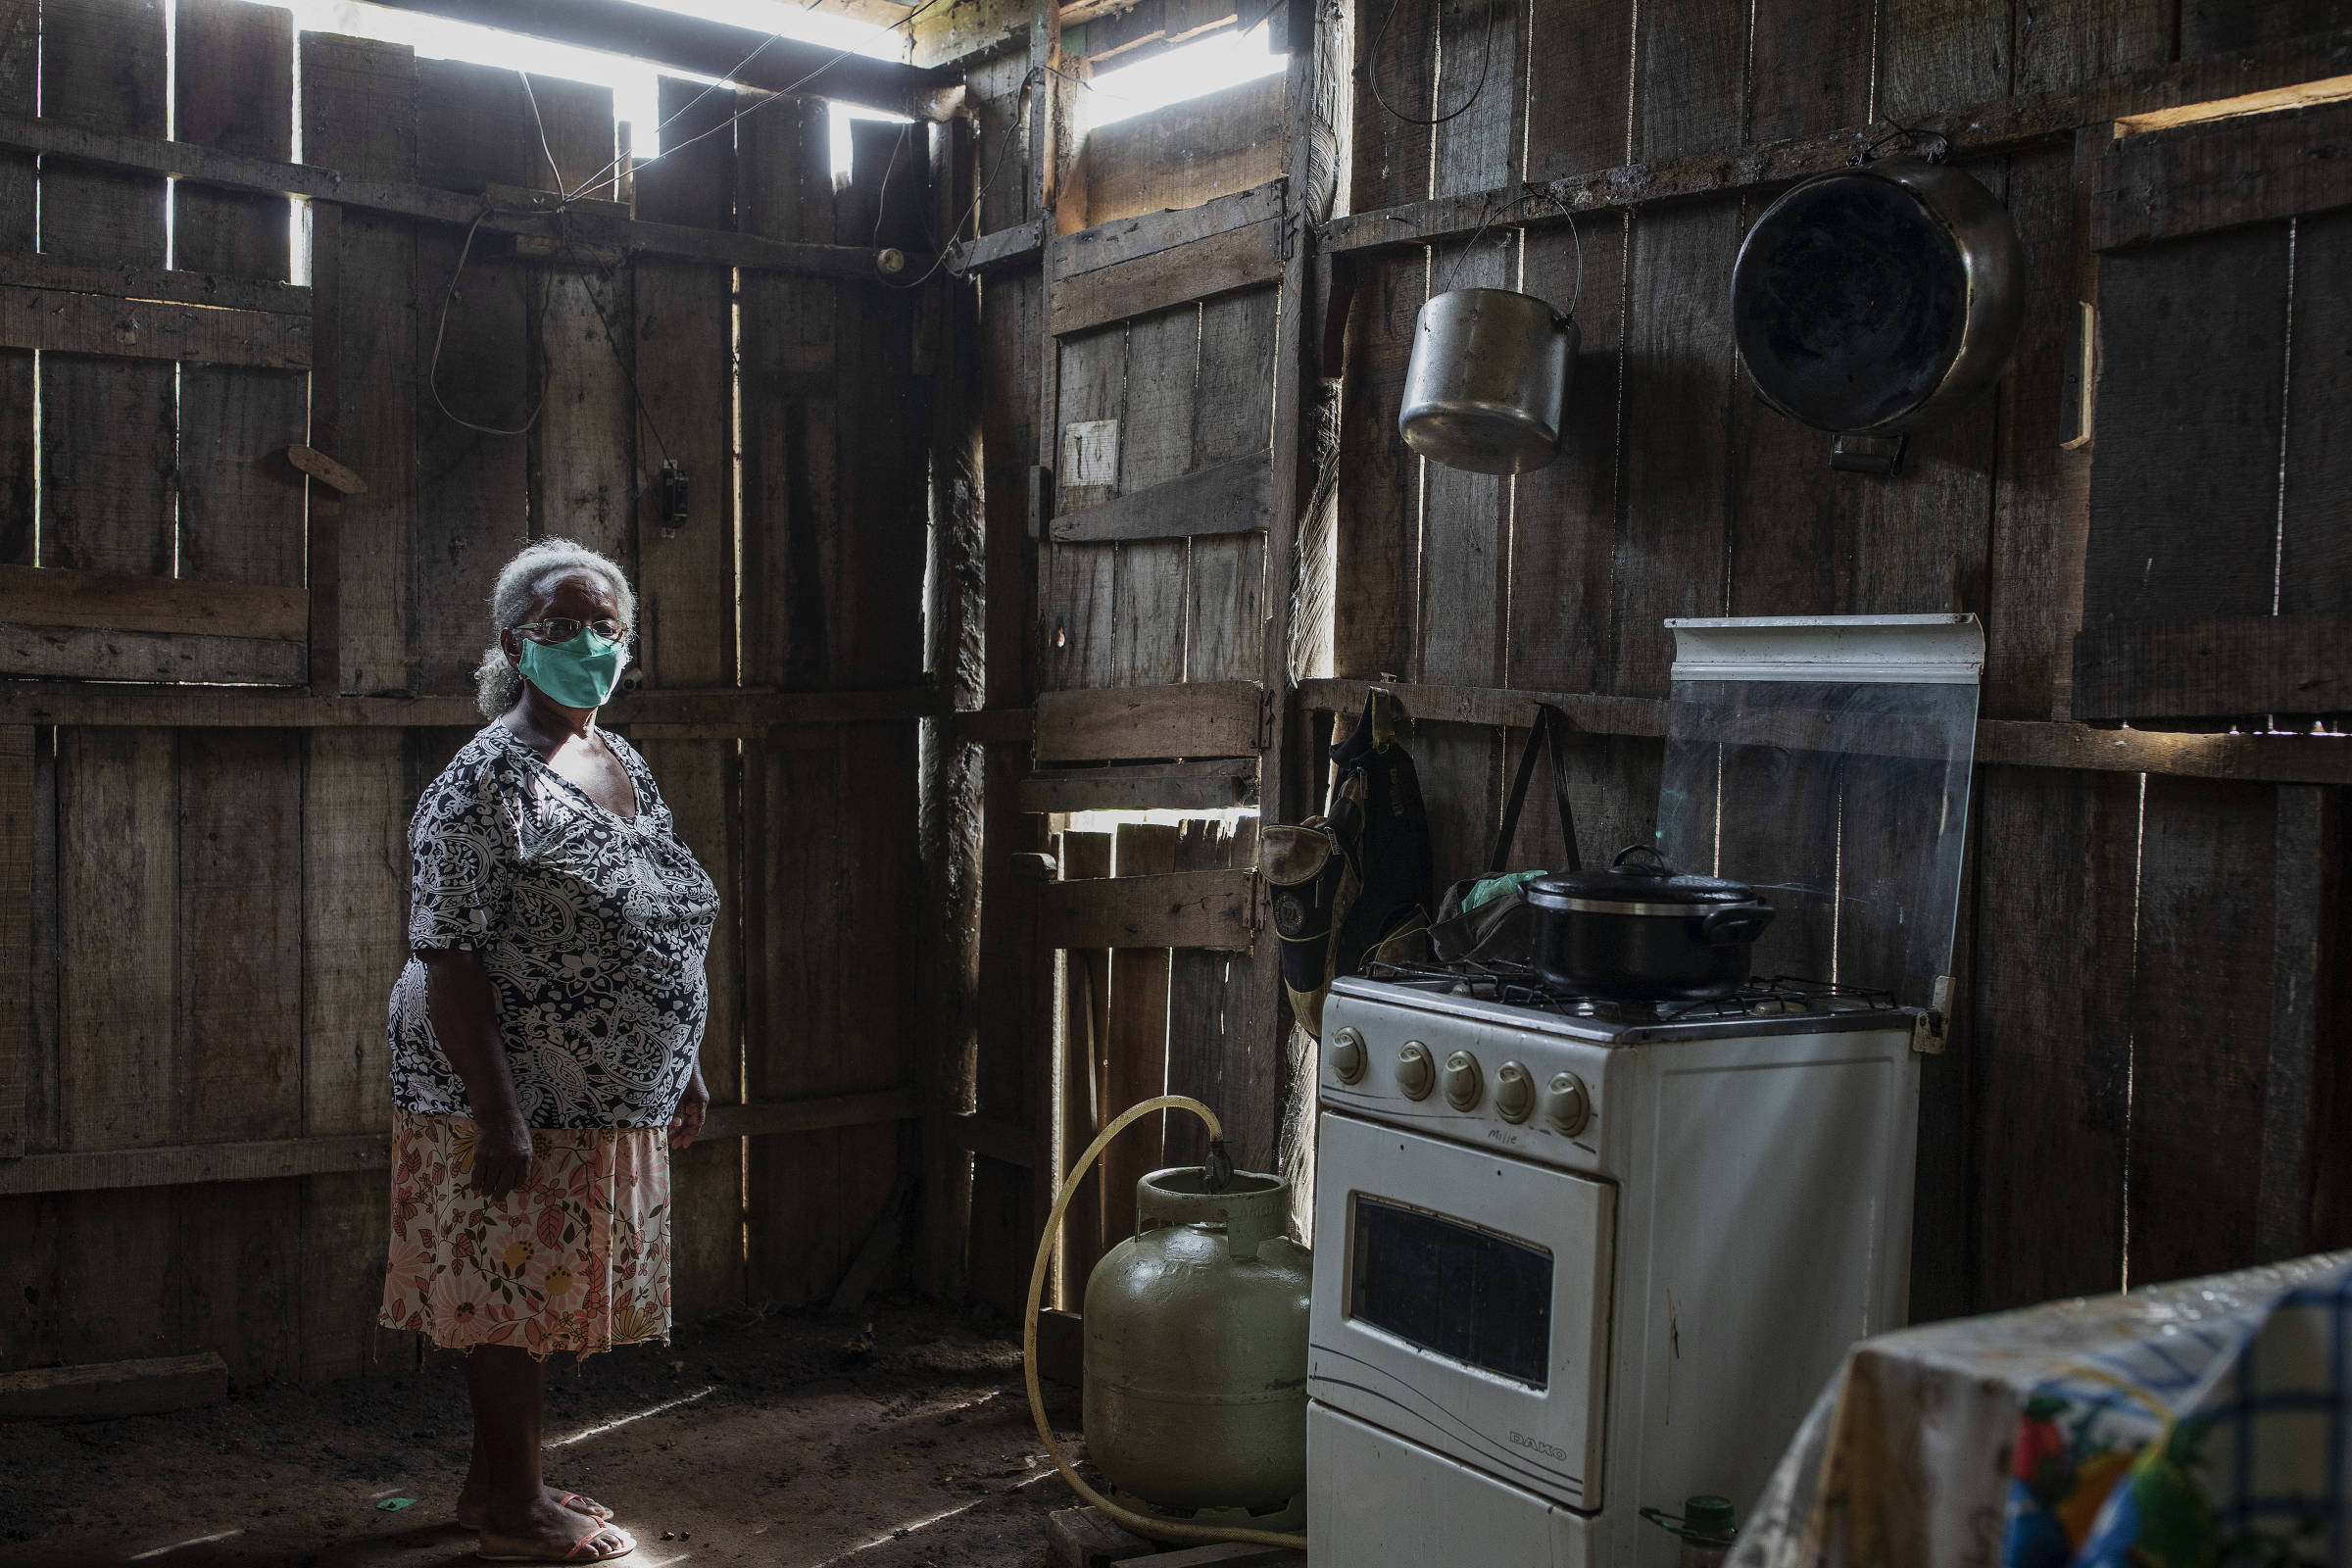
x=1200 y=269
x=1129 y=240
x=174 y=1165
x=179 y=1164
x=1020 y=245
x=1213 y=909
x=1236 y=497
x=976 y=1133
x=1116 y=723
x=120 y=601
x=1215 y=785
x=995 y=726
x=750 y=57
x=2220 y=174
x=121 y=281
x=1990 y=130
x=114 y=1390
x=591 y=225
x=2236 y=665
x=652 y=715
x=2020 y=743
x=66 y=323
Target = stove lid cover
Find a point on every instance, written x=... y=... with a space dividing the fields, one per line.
x=1825 y=761
x=1938 y=650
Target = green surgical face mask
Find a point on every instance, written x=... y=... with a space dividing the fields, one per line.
x=579 y=673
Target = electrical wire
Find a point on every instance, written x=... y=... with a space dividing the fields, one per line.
x=1486 y=58
x=433 y=376
x=988 y=182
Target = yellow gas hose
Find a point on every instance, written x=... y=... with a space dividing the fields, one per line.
x=1141 y=1524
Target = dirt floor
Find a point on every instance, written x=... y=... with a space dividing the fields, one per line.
x=898 y=1439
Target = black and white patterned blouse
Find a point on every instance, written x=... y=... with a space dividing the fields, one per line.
x=592 y=925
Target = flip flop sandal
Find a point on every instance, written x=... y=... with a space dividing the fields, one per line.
x=581 y=1550
x=577 y=1502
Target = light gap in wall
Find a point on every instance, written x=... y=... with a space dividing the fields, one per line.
x=1186 y=72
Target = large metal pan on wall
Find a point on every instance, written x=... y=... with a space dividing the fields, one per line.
x=1875 y=301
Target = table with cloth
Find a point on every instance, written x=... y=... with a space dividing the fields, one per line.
x=2200 y=1424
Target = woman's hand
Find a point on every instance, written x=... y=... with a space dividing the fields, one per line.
x=501 y=1158
x=686 y=1122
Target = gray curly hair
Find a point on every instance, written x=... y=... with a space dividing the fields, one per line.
x=496 y=684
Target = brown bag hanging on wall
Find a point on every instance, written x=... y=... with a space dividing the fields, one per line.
x=1352 y=887
x=1487 y=919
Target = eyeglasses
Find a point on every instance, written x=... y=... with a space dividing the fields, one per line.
x=562 y=629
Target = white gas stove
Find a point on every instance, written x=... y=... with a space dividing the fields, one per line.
x=1574 y=1260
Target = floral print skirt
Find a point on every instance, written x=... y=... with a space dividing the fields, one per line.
x=577 y=1258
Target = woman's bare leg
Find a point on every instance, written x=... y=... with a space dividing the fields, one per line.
x=509 y=1390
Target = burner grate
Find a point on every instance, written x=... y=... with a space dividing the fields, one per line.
x=1518 y=984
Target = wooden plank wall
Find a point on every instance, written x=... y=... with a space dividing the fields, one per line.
x=200 y=921
x=2123 y=937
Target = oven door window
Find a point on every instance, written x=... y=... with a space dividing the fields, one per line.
x=1466 y=1294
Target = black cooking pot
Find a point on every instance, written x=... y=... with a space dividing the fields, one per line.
x=1641 y=931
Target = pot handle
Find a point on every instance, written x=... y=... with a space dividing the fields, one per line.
x=1656 y=866
x=1727 y=928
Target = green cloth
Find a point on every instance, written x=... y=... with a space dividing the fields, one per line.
x=1494 y=887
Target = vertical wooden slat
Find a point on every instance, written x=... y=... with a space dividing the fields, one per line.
x=19 y=94
x=685 y=579
x=1678 y=384
x=2032 y=592
x=1200 y=1050
x=1479 y=148
x=240 y=934
x=2211 y=27
x=1564 y=517
x=240 y=502
x=472 y=486
x=117 y=837
x=109 y=423
x=1376 y=616
x=1810 y=67
x=2309 y=890
x=1690 y=64
x=44 y=1078
x=15 y=933
x=359 y=108
x=790 y=406
x=1396 y=50
x=1084 y=1031
x=875 y=593
x=1136 y=1048
x=355 y=873
x=1937 y=53
x=2072 y=41
x=2050 y=1057
x=1233 y=412
x=2201 y=1021
x=1081 y=596
x=2315 y=560
x=699 y=779
x=582 y=471
x=1156 y=445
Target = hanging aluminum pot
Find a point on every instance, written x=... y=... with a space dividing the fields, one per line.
x=1488 y=380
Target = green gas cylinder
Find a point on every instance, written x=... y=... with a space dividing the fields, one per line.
x=1195 y=1349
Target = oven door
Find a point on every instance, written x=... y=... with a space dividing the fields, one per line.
x=1461 y=1300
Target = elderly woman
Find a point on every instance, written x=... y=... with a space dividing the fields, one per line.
x=544 y=1044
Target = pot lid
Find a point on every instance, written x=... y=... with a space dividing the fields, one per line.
x=1640 y=876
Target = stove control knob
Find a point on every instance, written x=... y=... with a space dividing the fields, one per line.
x=1463 y=1087
x=1348 y=1056
x=1413 y=1075
x=1514 y=1092
x=1567 y=1102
